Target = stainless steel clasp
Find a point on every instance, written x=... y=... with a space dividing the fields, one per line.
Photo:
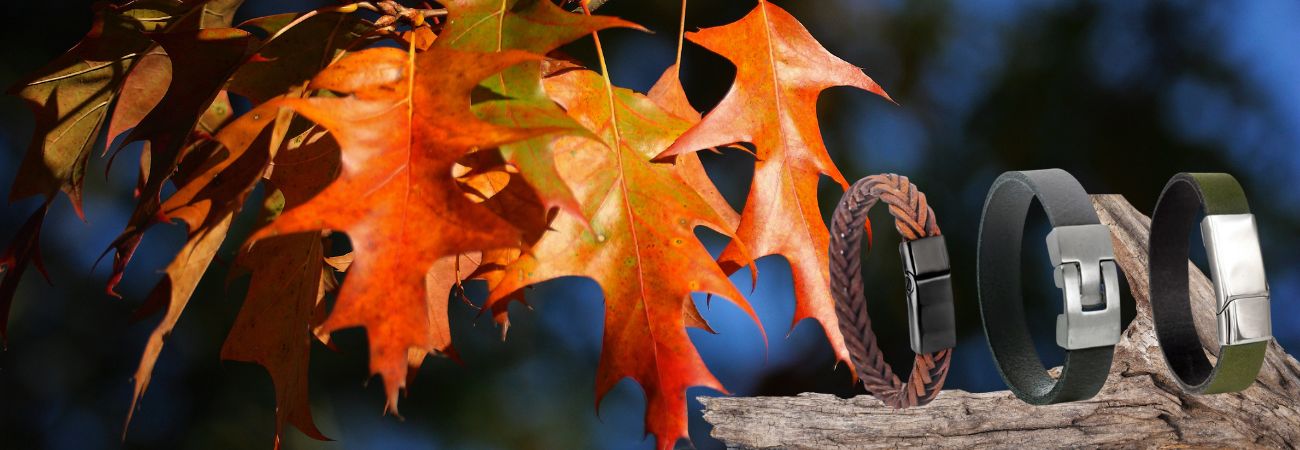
x=1237 y=268
x=932 y=324
x=1085 y=272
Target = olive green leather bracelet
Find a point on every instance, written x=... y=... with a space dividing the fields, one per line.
x=1232 y=247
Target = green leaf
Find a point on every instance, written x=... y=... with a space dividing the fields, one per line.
x=536 y=26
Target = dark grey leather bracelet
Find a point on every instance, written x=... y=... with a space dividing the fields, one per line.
x=1232 y=245
x=1080 y=247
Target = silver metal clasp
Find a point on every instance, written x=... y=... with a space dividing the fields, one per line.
x=932 y=324
x=1237 y=268
x=1086 y=273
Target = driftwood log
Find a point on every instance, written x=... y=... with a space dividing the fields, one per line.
x=1140 y=407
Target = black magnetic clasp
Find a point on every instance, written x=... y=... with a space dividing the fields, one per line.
x=932 y=324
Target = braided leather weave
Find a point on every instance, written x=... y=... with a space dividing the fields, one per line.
x=914 y=220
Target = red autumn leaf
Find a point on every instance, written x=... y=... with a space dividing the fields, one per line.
x=202 y=61
x=273 y=328
x=141 y=90
x=289 y=276
x=640 y=246
x=396 y=197
x=24 y=248
x=781 y=69
x=210 y=200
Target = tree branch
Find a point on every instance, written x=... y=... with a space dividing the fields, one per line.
x=1141 y=405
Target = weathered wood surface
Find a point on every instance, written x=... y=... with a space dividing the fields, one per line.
x=1140 y=407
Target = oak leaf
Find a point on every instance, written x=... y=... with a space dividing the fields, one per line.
x=289 y=277
x=396 y=197
x=222 y=182
x=780 y=71
x=668 y=93
x=142 y=89
x=70 y=98
x=640 y=246
x=206 y=204
x=179 y=281
x=23 y=249
x=202 y=61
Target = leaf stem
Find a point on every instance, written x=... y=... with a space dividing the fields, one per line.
x=604 y=68
x=681 y=37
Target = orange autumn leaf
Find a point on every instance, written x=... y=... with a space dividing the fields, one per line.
x=781 y=70
x=640 y=246
x=404 y=121
x=669 y=95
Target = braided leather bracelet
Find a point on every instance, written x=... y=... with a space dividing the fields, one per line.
x=930 y=311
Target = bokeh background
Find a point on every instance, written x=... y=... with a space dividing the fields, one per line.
x=1121 y=93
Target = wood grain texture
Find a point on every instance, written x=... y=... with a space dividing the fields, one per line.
x=1140 y=407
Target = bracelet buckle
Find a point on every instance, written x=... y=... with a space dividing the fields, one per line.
x=1237 y=268
x=931 y=322
x=1086 y=273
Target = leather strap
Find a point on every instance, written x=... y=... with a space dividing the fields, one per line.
x=914 y=220
x=1175 y=215
x=1001 y=300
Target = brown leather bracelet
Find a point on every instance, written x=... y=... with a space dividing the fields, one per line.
x=930 y=312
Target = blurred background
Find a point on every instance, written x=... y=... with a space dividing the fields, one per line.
x=1121 y=93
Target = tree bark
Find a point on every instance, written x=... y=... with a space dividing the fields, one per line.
x=1140 y=407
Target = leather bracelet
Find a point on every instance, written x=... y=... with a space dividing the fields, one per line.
x=931 y=321
x=1232 y=247
x=1081 y=250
